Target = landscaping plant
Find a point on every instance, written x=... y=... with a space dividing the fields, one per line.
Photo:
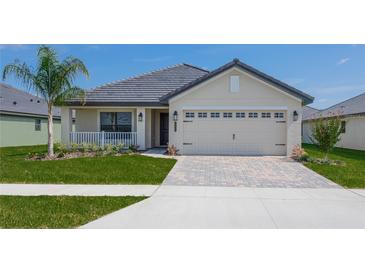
x=51 y=78
x=326 y=133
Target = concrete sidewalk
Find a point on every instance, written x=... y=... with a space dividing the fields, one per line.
x=77 y=190
x=240 y=207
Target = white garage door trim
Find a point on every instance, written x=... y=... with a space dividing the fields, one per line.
x=258 y=108
x=235 y=136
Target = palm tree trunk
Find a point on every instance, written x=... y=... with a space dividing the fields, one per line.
x=50 y=131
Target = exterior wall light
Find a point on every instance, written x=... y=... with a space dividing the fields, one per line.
x=295 y=115
x=175 y=116
x=140 y=117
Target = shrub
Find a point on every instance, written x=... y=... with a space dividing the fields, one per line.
x=171 y=150
x=133 y=148
x=299 y=154
x=110 y=149
x=326 y=133
x=74 y=147
x=95 y=148
x=85 y=148
x=121 y=148
x=61 y=148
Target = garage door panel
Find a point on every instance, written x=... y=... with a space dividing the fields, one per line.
x=234 y=136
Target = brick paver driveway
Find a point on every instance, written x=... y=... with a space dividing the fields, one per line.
x=265 y=172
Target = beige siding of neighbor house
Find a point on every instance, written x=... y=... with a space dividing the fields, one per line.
x=253 y=94
x=353 y=137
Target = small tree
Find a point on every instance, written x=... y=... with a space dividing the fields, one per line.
x=52 y=79
x=326 y=133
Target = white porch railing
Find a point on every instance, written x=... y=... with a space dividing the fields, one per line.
x=103 y=138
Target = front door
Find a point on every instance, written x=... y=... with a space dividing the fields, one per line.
x=164 y=129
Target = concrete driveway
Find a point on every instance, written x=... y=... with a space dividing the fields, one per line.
x=242 y=192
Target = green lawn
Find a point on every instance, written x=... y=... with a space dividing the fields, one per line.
x=126 y=169
x=352 y=175
x=57 y=211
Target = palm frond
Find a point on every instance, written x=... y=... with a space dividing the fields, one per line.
x=21 y=71
x=68 y=94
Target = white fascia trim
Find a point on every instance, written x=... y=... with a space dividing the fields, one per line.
x=235 y=108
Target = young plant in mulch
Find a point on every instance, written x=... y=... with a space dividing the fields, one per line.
x=326 y=133
x=171 y=150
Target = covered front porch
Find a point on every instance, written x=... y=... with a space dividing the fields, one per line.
x=145 y=127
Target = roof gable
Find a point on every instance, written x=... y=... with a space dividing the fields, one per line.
x=248 y=69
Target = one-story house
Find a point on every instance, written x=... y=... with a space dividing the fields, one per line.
x=232 y=110
x=352 y=114
x=23 y=118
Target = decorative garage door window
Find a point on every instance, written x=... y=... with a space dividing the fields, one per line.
x=265 y=115
x=202 y=115
x=189 y=115
x=116 y=121
x=227 y=114
x=240 y=115
x=214 y=115
x=252 y=115
x=279 y=114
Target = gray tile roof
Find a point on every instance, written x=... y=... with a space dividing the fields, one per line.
x=352 y=106
x=16 y=101
x=308 y=112
x=145 y=89
x=307 y=99
x=155 y=88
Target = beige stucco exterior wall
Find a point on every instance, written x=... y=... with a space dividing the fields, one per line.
x=88 y=119
x=253 y=93
x=353 y=137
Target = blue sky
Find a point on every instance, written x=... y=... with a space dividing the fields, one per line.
x=331 y=73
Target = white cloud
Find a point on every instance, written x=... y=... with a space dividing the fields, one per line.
x=343 y=61
x=152 y=59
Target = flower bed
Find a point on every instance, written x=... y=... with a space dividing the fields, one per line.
x=63 y=152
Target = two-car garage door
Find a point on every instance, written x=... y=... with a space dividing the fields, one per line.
x=241 y=132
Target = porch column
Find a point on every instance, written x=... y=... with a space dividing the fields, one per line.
x=66 y=124
x=141 y=128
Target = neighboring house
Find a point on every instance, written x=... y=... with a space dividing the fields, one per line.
x=23 y=118
x=233 y=110
x=352 y=113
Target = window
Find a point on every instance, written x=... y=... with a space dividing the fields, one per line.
x=343 y=127
x=240 y=115
x=227 y=114
x=189 y=115
x=37 y=125
x=202 y=115
x=214 y=115
x=265 y=115
x=279 y=115
x=252 y=115
x=235 y=83
x=116 y=121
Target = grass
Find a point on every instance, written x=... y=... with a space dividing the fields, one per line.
x=126 y=169
x=352 y=175
x=57 y=211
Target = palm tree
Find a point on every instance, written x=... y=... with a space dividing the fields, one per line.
x=52 y=79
